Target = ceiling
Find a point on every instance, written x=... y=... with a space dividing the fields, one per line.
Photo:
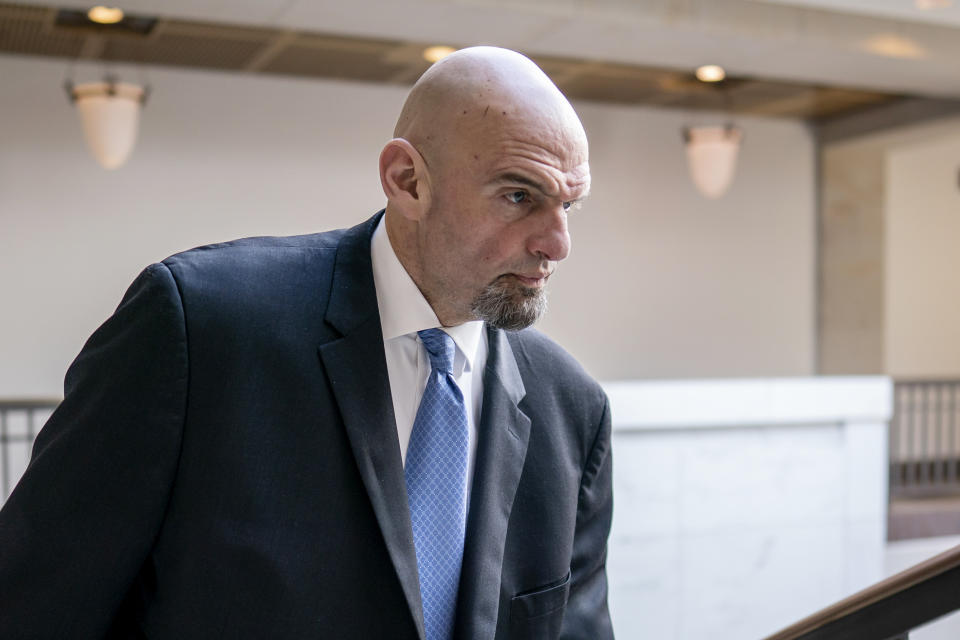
x=905 y=10
x=799 y=58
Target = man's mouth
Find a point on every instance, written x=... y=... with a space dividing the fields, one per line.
x=534 y=280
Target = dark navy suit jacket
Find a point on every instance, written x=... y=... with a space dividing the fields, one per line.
x=225 y=464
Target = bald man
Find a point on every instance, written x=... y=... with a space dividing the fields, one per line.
x=352 y=434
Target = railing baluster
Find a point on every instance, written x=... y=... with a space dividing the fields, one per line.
x=893 y=439
x=944 y=454
x=935 y=455
x=4 y=454
x=924 y=475
x=924 y=444
x=916 y=421
x=952 y=435
x=29 y=409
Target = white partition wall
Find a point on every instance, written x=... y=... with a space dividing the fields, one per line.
x=742 y=506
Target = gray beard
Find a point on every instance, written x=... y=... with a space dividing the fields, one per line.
x=508 y=305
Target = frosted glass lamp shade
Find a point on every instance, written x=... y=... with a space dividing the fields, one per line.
x=712 y=158
x=110 y=114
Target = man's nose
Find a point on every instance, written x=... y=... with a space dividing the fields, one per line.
x=551 y=239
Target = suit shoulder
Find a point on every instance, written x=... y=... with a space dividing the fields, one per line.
x=266 y=265
x=536 y=354
x=256 y=278
x=247 y=252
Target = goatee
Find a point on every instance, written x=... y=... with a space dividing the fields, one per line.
x=507 y=304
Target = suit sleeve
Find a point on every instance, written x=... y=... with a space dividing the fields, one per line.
x=81 y=522
x=587 y=614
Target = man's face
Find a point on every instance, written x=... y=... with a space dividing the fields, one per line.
x=497 y=222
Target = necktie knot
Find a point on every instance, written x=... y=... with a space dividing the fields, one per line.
x=440 y=348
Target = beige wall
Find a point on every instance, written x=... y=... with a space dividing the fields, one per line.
x=923 y=257
x=660 y=283
x=889 y=299
x=851 y=256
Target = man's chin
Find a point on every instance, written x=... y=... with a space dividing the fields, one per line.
x=508 y=304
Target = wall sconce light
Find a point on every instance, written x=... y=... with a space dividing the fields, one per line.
x=110 y=115
x=712 y=157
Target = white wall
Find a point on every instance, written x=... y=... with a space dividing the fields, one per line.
x=923 y=261
x=743 y=506
x=661 y=283
x=679 y=286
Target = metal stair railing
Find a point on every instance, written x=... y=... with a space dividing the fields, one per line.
x=889 y=609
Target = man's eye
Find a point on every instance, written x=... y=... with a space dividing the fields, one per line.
x=517 y=197
x=567 y=205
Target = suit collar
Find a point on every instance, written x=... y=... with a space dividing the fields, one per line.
x=352 y=296
x=357 y=370
x=503 y=435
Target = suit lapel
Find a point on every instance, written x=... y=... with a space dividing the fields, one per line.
x=357 y=371
x=502 y=446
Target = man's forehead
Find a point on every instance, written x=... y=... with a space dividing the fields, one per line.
x=573 y=184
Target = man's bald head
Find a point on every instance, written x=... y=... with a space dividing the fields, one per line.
x=471 y=91
x=486 y=159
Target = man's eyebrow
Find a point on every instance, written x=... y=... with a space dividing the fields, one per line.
x=516 y=178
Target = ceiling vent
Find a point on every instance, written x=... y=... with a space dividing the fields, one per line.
x=130 y=25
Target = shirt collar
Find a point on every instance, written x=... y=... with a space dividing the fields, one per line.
x=403 y=309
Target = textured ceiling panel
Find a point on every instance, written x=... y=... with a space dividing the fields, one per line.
x=562 y=70
x=340 y=43
x=831 y=101
x=326 y=63
x=31 y=30
x=629 y=85
x=748 y=96
x=182 y=50
x=217 y=32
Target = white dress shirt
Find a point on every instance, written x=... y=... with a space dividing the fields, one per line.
x=403 y=312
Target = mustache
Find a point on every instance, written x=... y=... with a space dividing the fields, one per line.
x=538 y=270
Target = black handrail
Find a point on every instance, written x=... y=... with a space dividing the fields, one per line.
x=891 y=608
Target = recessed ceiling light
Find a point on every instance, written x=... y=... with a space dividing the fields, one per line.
x=711 y=73
x=894 y=46
x=927 y=5
x=105 y=15
x=439 y=52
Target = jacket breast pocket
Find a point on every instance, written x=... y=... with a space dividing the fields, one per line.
x=538 y=614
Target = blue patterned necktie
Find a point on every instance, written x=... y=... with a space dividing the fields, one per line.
x=436 y=477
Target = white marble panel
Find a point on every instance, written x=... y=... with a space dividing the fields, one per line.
x=866 y=460
x=726 y=530
x=646 y=484
x=644 y=580
x=747 y=583
x=864 y=544
x=755 y=477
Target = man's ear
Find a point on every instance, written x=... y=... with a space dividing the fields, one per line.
x=403 y=175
